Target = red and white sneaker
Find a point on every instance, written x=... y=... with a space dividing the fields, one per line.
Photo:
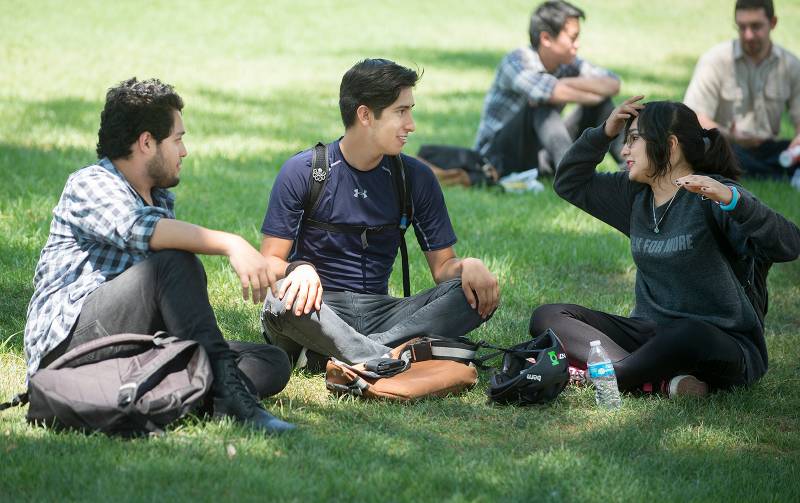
x=577 y=377
x=686 y=385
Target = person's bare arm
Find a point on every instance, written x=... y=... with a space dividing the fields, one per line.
x=480 y=286
x=584 y=90
x=256 y=274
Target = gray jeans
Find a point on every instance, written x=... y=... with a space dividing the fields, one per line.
x=538 y=137
x=356 y=327
x=167 y=291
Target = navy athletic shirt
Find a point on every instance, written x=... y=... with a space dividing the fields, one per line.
x=356 y=198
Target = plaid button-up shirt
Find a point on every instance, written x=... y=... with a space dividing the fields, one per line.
x=100 y=228
x=522 y=80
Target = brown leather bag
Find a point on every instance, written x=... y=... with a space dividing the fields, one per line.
x=423 y=375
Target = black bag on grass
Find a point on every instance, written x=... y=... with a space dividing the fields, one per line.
x=446 y=157
x=158 y=380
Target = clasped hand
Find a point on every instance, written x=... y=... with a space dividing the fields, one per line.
x=301 y=289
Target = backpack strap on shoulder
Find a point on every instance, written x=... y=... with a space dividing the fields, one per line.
x=16 y=401
x=317 y=179
x=404 y=202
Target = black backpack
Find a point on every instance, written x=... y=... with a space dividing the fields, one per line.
x=751 y=271
x=320 y=168
x=447 y=157
x=158 y=380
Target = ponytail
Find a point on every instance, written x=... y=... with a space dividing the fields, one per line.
x=718 y=157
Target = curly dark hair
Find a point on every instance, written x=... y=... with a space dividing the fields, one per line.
x=132 y=108
x=706 y=150
x=375 y=83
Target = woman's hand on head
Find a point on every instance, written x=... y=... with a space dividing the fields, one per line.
x=627 y=109
x=707 y=187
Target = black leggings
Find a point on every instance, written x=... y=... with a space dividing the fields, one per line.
x=643 y=352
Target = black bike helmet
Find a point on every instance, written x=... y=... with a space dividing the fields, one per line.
x=533 y=372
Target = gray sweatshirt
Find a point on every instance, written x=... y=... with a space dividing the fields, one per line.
x=681 y=271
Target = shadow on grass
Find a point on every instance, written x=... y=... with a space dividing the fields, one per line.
x=451 y=449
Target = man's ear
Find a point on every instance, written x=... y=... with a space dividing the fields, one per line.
x=364 y=115
x=773 y=22
x=545 y=40
x=146 y=143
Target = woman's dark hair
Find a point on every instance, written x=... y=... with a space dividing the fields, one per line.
x=550 y=17
x=706 y=150
x=375 y=83
x=132 y=108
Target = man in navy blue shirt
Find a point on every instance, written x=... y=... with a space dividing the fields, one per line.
x=355 y=320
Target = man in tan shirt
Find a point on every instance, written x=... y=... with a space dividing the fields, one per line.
x=743 y=86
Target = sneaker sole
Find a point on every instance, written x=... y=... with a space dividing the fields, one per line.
x=687 y=385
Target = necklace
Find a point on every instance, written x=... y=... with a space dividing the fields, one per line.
x=657 y=222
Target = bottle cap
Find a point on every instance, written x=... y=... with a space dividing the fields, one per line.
x=594 y=343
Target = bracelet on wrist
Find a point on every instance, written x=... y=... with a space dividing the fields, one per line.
x=295 y=264
x=734 y=199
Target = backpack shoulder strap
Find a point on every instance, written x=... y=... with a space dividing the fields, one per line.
x=317 y=179
x=400 y=182
x=129 y=390
x=103 y=342
x=403 y=192
x=16 y=401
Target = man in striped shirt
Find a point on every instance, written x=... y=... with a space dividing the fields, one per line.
x=521 y=125
x=117 y=260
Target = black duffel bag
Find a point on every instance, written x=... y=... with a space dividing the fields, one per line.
x=446 y=157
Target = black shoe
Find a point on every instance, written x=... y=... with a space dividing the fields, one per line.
x=233 y=399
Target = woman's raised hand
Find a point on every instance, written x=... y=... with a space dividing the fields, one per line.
x=627 y=109
x=706 y=187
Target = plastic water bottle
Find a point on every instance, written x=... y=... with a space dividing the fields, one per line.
x=601 y=372
x=790 y=157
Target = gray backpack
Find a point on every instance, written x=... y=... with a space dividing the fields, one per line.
x=158 y=380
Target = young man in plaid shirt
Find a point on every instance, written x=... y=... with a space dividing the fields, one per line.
x=117 y=260
x=521 y=125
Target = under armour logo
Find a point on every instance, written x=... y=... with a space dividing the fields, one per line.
x=362 y=193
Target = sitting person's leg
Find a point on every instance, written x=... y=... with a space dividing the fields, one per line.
x=589 y=116
x=685 y=347
x=265 y=367
x=516 y=147
x=441 y=312
x=167 y=291
x=576 y=326
x=359 y=327
x=762 y=161
x=330 y=331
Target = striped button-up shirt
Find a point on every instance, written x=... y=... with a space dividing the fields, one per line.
x=100 y=228
x=522 y=80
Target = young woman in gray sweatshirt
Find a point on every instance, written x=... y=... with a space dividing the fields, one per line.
x=692 y=327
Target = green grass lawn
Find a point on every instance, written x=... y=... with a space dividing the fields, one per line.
x=260 y=81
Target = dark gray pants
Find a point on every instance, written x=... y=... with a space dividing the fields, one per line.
x=167 y=291
x=538 y=137
x=356 y=327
